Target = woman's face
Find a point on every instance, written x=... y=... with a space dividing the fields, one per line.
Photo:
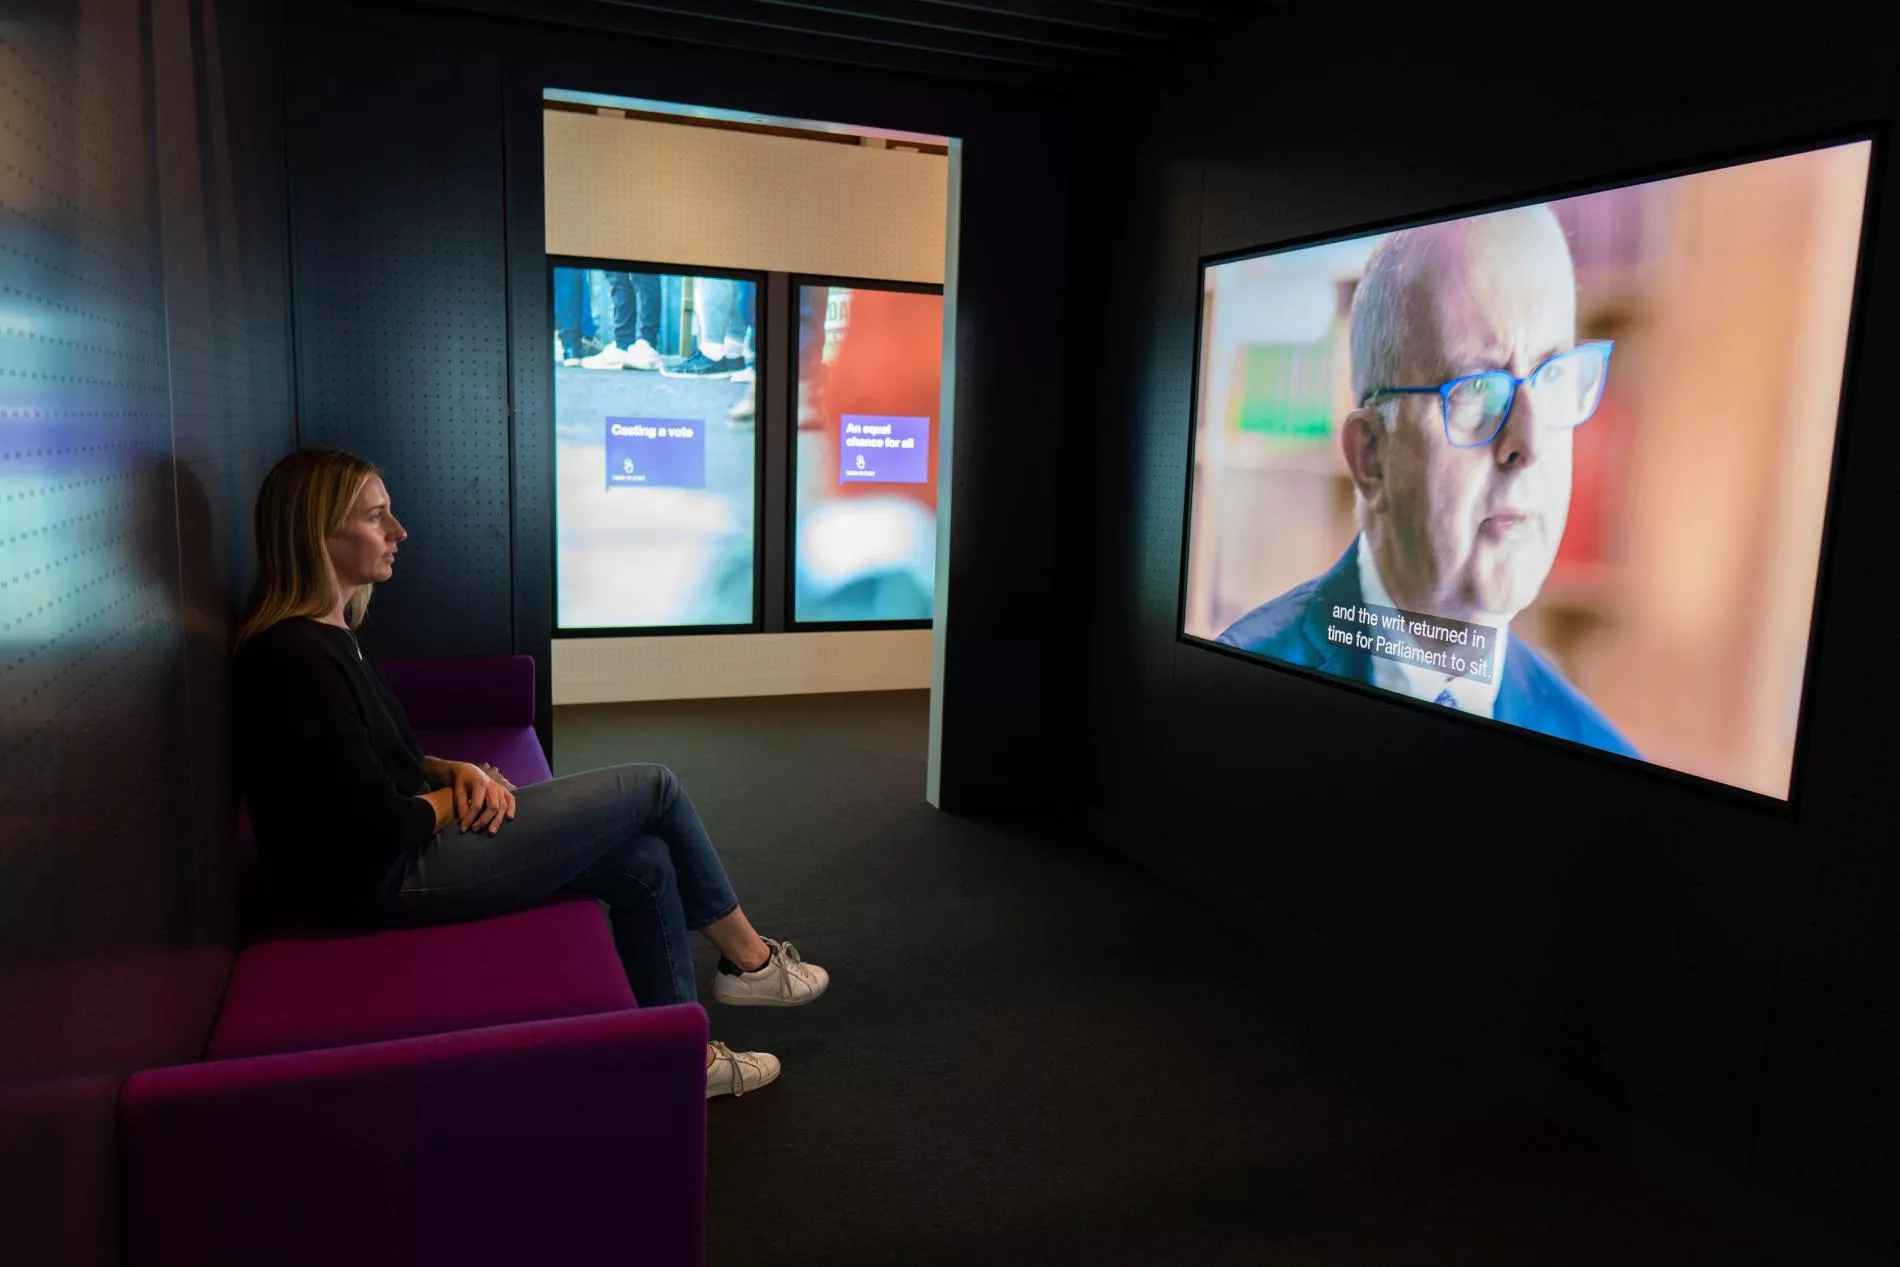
x=363 y=550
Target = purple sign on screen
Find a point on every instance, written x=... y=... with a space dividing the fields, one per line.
x=879 y=449
x=656 y=453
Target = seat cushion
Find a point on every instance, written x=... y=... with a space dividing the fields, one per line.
x=514 y=750
x=319 y=989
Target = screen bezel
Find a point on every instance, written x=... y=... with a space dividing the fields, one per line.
x=761 y=334
x=797 y=282
x=1789 y=807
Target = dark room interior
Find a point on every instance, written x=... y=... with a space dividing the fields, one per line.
x=1143 y=951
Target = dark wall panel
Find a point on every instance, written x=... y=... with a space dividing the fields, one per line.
x=93 y=890
x=531 y=391
x=1830 y=1111
x=142 y=389
x=395 y=152
x=1007 y=467
x=1693 y=979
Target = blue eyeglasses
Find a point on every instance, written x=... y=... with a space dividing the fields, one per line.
x=1569 y=388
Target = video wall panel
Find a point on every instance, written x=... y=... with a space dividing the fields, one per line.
x=656 y=447
x=868 y=382
x=1562 y=466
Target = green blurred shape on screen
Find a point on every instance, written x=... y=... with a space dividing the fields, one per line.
x=1286 y=391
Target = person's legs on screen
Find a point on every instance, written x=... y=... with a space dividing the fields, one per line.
x=646 y=297
x=738 y=318
x=626 y=309
x=712 y=314
x=712 y=300
x=573 y=315
x=634 y=321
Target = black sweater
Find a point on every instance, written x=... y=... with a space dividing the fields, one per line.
x=328 y=767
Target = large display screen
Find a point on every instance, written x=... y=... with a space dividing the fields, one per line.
x=656 y=452
x=1562 y=466
x=864 y=542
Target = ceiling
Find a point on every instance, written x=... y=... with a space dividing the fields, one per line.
x=1053 y=44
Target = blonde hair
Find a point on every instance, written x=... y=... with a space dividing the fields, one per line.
x=305 y=498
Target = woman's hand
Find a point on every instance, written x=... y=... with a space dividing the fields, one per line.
x=496 y=775
x=481 y=804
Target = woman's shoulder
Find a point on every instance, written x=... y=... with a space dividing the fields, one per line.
x=293 y=640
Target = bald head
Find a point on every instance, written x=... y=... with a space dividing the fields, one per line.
x=1466 y=531
x=1426 y=291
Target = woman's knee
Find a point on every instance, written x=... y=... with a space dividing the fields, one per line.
x=655 y=783
x=646 y=859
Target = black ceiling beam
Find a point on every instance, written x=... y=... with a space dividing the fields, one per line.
x=601 y=16
x=770 y=17
x=1208 y=11
x=987 y=23
x=1080 y=15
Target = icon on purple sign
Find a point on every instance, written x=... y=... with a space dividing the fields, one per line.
x=881 y=449
x=656 y=453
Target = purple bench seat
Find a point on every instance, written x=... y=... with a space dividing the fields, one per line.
x=476 y=1093
x=308 y=990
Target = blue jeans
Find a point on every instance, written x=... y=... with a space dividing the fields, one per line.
x=627 y=834
x=573 y=314
x=723 y=306
x=636 y=298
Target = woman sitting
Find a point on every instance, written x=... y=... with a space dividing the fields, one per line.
x=356 y=827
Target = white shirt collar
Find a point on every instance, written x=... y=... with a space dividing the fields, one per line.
x=1420 y=683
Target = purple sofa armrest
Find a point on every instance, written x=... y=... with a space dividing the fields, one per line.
x=471 y=691
x=581 y=1139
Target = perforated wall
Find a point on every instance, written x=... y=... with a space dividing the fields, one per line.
x=88 y=547
x=621 y=188
x=531 y=389
x=143 y=389
x=603 y=670
x=401 y=318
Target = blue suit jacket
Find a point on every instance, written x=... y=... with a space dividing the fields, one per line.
x=1532 y=694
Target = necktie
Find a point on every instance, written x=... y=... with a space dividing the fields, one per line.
x=1446 y=698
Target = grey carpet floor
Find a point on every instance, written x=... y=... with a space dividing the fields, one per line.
x=1034 y=1052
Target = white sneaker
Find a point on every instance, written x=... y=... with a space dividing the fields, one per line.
x=569 y=362
x=641 y=356
x=745 y=375
x=737 y=1072
x=785 y=981
x=608 y=358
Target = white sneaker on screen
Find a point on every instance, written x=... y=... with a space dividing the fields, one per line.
x=608 y=358
x=641 y=356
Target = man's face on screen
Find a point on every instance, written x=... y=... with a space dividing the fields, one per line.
x=1471 y=533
